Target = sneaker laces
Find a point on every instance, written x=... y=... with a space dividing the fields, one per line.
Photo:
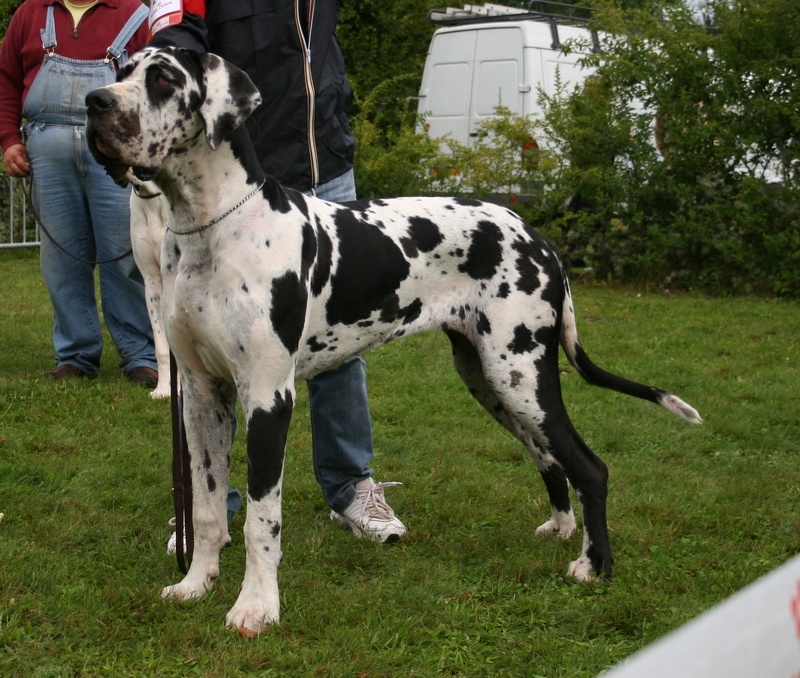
x=374 y=503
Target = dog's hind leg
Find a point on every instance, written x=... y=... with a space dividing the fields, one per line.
x=589 y=476
x=543 y=415
x=468 y=365
x=268 y=421
x=528 y=403
x=208 y=414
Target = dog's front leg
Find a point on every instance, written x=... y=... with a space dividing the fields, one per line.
x=267 y=428
x=148 y=222
x=208 y=417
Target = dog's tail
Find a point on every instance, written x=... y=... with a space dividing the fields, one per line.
x=599 y=377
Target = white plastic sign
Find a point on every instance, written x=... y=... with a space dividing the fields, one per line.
x=753 y=634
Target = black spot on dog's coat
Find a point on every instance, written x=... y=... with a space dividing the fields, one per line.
x=483 y=326
x=299 y=201
x=425 y=234
x=371 y=268
x=322 y=267
x=485 y=251
x=280 y=199
x=315 y=346
x=411 y=312
x=308 y=253
x=409 y=247
x=532 y=258
x=289 y=298
x=266 y=444
x=523 y=341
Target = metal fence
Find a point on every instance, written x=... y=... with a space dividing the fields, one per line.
x=18 y=228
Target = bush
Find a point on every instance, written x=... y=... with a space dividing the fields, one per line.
x=675 y=165
x=7 y=8
x=717 y=208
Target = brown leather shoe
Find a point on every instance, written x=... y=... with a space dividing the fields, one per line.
x=144 y=376
x=66 y=371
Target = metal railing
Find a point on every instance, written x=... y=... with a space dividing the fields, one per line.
x=18 y=228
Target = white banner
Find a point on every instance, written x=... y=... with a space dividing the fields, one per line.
x=753 y=634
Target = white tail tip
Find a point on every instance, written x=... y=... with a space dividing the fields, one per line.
x=681 y=409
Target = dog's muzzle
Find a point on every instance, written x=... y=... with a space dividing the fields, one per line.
x=100 y=104
x=100 y=101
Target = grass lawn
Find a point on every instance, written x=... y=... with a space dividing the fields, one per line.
x=695 y=512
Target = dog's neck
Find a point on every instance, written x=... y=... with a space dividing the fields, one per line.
x=187 y=179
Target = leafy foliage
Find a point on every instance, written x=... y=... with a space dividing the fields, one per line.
x=7 y=8
x=384 y=42
x=717 y=208
x=675 y=164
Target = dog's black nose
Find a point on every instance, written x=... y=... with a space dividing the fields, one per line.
x=100 y=100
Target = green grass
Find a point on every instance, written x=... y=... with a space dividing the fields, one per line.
x=695 y=512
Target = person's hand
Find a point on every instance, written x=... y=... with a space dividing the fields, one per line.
x=16 y=159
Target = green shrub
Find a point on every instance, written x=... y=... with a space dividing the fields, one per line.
x=7 y=8
x=680 y=199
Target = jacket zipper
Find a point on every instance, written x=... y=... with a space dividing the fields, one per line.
x=305 y=42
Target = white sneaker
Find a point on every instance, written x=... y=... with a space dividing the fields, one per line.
x=368 y=515
x=234 y=502
x=172 y=543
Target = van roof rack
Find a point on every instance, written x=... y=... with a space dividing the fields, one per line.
x=547 y=11
x=537 y=10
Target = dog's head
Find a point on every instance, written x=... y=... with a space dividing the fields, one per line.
x=162 y=101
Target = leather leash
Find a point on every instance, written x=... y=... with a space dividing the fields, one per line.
x=43 y=228
x=181 y=476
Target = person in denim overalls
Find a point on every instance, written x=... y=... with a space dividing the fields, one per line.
x=85 y=216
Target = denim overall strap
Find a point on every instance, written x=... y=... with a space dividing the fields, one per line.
x=57 y=94
x=117 y=49
x=48 y=33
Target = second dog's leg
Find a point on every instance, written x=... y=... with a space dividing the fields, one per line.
x=148 y=223
x=153 y=291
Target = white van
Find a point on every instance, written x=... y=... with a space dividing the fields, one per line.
x=485 y=55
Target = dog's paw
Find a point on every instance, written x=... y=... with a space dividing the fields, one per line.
x=561 y=525
x=250 y=620
x=581 y=570
x=186 y=590
x=160 y=392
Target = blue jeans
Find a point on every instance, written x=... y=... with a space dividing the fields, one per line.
x=341 y=430
x=89 y=216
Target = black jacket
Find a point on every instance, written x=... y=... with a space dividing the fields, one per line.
x=300 y=131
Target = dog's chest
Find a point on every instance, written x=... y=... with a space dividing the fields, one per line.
x=219 y=294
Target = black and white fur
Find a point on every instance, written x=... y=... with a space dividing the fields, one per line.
x=286 y=286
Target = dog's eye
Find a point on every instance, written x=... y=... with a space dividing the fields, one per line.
x=161 y=77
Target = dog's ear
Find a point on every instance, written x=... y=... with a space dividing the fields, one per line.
x=230 y=98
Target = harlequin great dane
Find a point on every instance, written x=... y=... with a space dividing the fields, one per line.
x=263 y=285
